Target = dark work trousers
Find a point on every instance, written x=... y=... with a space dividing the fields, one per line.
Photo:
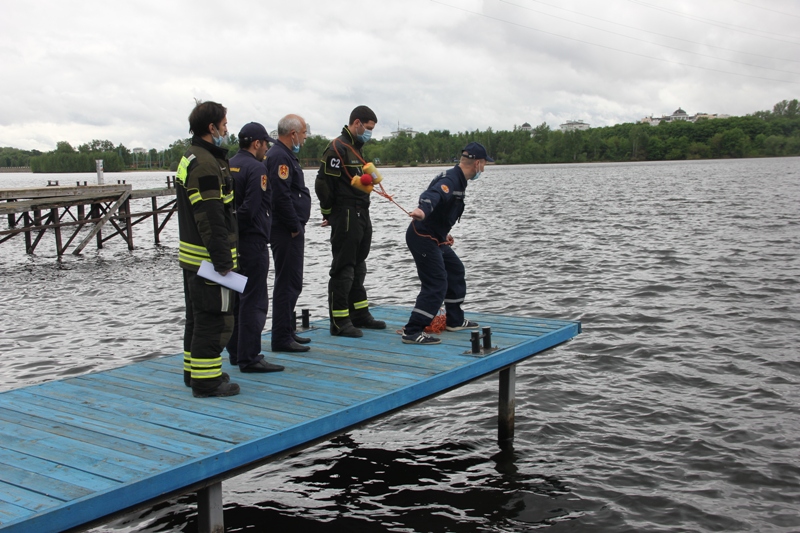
x=252 y=305
x=287 y=253
x=351 y=238
x=209 y=323
x=441 y=274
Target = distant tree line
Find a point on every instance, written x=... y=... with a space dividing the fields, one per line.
x=14 y=157
x=66 y=159
x=762 y=134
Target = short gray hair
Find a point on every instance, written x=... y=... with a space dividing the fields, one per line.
x=289 y=123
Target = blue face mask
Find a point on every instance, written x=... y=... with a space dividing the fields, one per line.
x=295 y=147
x=476 y=176
x=217 y=140
x=364 y=137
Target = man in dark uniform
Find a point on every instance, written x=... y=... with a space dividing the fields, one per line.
x=345 y=208
x=291 y=208
x=253 y=206
x=207 y=230
x=440 y=271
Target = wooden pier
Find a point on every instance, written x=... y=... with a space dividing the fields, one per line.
x=80 y=451
x=67 y=211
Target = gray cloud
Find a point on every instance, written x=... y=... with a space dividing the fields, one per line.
x=129 y=71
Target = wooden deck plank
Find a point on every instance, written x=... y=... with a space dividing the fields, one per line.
x=56 y=471
x=65 y=413
x=291 y=385
x=26 y=499
x=140 y=386
x=54 y=488
x=64 y=191
x=123 y=446
x=35 y=439
x=9 y=512
x=152 y=412
x=63 y=452
x=340 y=383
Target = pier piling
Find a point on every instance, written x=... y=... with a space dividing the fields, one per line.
x=66 y=208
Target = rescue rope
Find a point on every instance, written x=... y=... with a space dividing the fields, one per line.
x=380 y=191
x=438 y=324
x=377 y=188
x=431 y=237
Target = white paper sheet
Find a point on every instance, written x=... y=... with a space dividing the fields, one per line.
x=232 y=280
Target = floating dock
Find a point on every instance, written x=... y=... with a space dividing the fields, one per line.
x=80 y=451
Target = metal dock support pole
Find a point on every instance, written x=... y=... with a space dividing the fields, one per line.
x=155 y=217
x=209 y=509
x=505 y=415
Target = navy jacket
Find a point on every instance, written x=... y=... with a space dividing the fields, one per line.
x=291 y=199
x=443 y=203
x=252 y=194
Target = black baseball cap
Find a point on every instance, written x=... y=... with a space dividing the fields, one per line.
x=476 y=151
x=253 y=131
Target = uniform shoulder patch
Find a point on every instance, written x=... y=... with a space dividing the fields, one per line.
x=445 y=188
x=333 y=165
x=263 y=182
x=283 y=172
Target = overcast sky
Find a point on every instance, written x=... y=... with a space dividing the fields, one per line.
x=128 y=71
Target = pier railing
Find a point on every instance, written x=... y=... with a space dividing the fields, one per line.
x=82 y=210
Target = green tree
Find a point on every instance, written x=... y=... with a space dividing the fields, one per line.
x=734 y=143
x=698 y=151
x=399 y=150
x=311 y=151
x=63 y=147
x=638 y=137
x=774 y=145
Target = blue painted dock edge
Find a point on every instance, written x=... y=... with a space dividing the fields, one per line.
x=80 y=450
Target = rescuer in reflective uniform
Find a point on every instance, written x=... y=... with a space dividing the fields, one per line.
x=253 y=199
x=345 y=208
x=441 y=272
x=291 y=209
x=207 y=230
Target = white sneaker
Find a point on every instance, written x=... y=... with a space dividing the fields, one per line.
x=468 y=324
x=421 y=338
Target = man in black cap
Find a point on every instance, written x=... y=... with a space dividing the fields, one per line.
x=253 y=198
x=440 y=271
x=291 y=209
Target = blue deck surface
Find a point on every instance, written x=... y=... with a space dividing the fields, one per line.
x=79 y=449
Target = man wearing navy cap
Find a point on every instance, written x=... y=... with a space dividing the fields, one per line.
x=253 y=198
x=440 y=271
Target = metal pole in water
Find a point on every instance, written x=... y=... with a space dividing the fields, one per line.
x=99 y=164
x=209 y=509
x=505 y=414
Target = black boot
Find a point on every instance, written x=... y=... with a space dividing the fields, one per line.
x=223 y=389
x=346 y=330
x=369 y=323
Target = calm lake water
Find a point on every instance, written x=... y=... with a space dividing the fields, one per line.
x=677 y=409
